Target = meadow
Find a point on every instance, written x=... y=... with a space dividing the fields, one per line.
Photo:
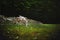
x=34 y=31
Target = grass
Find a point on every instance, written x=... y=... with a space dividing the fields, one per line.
x=34 y=31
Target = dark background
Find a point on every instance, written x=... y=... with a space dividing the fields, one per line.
x=40 y=10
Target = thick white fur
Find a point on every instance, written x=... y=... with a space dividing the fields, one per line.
x=23 y=20
x=19 y=20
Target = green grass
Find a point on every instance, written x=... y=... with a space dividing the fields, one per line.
x=32 y=32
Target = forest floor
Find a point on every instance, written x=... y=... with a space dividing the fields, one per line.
x=34 y=31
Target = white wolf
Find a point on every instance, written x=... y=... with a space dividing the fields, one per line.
x=19 y=20
x=22 y=19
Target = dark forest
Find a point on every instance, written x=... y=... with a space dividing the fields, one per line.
x=40 y=10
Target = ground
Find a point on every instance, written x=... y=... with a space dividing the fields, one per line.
x=34 y=31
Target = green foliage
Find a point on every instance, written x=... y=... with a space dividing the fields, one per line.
x=32 y=32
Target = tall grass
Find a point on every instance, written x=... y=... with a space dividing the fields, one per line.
x=33 y=31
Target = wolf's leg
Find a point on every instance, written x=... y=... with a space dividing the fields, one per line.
x=26 y=23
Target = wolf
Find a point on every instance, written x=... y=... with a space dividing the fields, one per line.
x=19 y=20
x=22 y=19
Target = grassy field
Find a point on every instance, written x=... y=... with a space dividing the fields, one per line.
x=34 y=31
